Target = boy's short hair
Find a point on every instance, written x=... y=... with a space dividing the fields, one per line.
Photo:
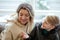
x=53 y=20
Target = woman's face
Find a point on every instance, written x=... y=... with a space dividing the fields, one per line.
x=47 y=26
x=23 y=16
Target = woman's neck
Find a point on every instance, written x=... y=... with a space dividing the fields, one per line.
x=21 y=23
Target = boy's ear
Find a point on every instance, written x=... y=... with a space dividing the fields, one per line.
x=53 y=26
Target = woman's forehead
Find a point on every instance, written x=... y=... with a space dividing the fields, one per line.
x=23 y=11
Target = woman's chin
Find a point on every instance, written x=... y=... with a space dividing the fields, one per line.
x=23 y=23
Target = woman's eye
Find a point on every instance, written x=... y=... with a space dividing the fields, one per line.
x=27 y=15
x=21 y=15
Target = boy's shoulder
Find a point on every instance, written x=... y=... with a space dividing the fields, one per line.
x=38 y=25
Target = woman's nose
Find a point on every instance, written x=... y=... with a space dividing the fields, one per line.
x=23 y=17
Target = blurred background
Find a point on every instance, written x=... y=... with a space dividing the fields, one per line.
x=41 y=8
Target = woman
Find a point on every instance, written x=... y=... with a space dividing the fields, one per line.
x=47 y=30
x=22 y=22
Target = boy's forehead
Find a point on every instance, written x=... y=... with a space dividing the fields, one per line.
x=47 y=22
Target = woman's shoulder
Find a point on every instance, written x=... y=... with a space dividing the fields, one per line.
x=12 y=16
x=8 y=26
x=11 y=20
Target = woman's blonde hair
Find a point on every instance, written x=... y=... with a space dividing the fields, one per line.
x=53 y=20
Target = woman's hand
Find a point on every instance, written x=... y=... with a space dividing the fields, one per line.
x=24 y=35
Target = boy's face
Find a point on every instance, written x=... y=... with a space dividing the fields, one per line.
x=47 y=26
